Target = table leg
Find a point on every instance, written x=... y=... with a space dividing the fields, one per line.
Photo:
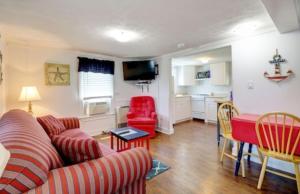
x=218 y=127
x=111 y=141
x=148 y=144
x=238 y=162
x=218 y=133
x=118 y=145
x=249 y=152
x=129 y=145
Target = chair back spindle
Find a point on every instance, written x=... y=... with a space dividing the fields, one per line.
x=278 y=133
x=225 y=113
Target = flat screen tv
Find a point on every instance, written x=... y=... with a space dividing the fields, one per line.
x=139 y=70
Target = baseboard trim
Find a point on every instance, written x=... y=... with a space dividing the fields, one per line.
x=165 y=131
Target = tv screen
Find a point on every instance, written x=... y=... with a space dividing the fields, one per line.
x=139 y=70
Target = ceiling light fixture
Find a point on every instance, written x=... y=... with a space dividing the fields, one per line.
x=204 y=60
x=245 y=29
x=180 y=45
x=122 y=35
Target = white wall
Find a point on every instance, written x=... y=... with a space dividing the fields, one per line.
x=165 y=97
x=250 y=60
x=2 y=85
x=26 y=67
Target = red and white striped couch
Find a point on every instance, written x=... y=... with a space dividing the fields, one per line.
x=36 y=167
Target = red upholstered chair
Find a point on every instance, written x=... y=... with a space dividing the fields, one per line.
x=142 y=114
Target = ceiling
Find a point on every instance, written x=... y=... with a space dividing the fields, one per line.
x=81 y=25
x=213 y=56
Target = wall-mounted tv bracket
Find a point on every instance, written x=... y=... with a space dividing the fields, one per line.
x=142 y=84
x=156 y=70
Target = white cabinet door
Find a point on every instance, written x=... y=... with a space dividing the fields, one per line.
x=219 y=74
x=198 y=105
x=198 y=109
x=183 y=110
x=186 y=76
x=211 y=110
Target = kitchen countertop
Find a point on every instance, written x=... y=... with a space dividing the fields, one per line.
x=223 y=101
x=182 y=95
x=202 y=96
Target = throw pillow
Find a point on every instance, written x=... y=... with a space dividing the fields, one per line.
x=76 y=150
x=51 y=125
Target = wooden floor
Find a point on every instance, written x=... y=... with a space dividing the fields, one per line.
x=193 y=155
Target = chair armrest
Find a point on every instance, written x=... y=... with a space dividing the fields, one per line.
x=153 y=115
x=70 y=123
x=104 y=175
x=130 y=115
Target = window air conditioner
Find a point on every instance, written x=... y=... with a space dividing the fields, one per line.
x=93 y=108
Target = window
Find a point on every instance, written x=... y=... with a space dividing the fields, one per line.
x=95 y=78
x=93 y=85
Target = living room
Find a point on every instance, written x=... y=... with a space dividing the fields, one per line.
x=38 y=38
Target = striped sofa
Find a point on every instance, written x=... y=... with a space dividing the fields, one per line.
x=36 y=167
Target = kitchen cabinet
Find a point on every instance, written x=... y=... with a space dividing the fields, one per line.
x=211 y=107
x=183 y=108
x=186 y=76
x=211 y=111
x=220 y=73
x=198 y=108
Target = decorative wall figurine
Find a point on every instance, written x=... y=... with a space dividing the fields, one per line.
x=277 y=76
x=57 y=74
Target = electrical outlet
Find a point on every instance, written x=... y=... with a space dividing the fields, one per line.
x=250 y=85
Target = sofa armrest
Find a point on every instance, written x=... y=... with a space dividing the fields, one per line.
x=109 y=174
x=71 y=122
x=153 y=115
x=130 y=115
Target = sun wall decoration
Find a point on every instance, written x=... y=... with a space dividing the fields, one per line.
x=57 y=74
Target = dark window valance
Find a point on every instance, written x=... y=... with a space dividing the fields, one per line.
x=96 y=66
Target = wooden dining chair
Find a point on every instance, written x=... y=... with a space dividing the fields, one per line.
x=278 y=135
x=225 y=113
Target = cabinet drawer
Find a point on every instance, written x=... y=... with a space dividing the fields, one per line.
x=198 y=115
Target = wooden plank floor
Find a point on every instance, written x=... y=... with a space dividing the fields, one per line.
x=193 y=155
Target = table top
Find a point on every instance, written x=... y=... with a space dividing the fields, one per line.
x=129 y=133
x=252 y=118
x=243 y=129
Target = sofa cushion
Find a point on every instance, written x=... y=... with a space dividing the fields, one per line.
x=52 y=125
x=75 y=133
x=78 y=133
x=32 y=154
x=76 y=150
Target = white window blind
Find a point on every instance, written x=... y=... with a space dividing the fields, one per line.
x=93 y=85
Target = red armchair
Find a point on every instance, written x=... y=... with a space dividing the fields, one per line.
x=142 y=114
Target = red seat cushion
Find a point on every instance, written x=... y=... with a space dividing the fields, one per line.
x=76 y=150
x=51 y=125
x=142 y=120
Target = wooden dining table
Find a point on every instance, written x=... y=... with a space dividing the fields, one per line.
x=243 y=130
